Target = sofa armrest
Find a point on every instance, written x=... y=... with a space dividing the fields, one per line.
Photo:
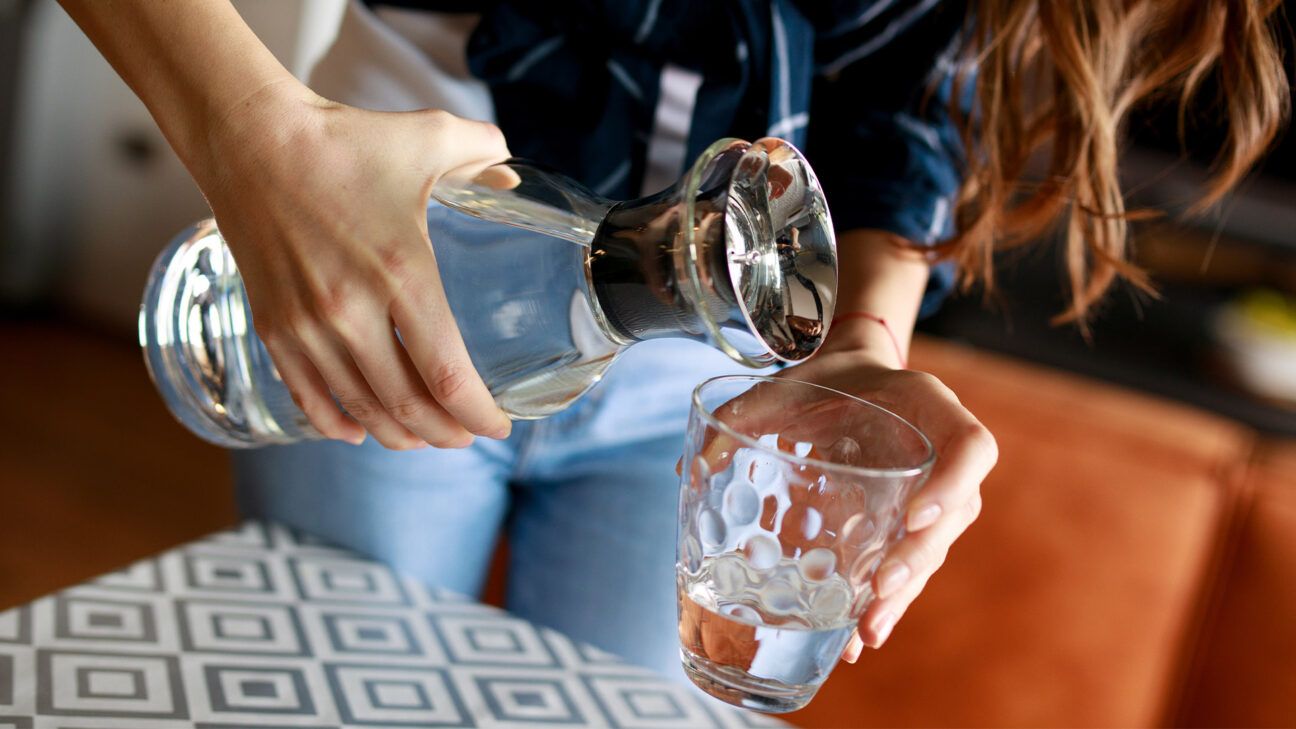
x=1244 y=667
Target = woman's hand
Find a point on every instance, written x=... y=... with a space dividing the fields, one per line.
x=944 y=507
x=324 y=208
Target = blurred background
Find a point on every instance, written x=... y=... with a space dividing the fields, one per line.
x=1136 y=562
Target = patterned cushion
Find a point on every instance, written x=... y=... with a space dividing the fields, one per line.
x=264 y=625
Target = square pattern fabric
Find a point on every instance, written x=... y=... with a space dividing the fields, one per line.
x=264 y=627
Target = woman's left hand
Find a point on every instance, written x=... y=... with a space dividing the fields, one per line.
x=945 y=506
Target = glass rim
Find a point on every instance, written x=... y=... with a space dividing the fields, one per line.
x=903 y=472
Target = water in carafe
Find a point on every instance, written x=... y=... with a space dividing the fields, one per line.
x=522 y=296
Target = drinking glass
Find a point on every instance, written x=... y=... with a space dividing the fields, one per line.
x=791 y=494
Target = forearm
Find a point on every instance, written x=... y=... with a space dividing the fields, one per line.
x=880 y=275
x=194 y=63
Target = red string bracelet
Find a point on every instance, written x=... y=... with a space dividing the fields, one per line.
x=895 y=342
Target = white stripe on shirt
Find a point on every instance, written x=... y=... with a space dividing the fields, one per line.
x=781 y=56
x=536 y=54
x=622 y=76
x=649 y=20
x=785 y=127
x=864 y=18
x=672 y=120
x=897 y=26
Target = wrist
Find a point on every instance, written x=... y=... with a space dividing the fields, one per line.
x=265 y=118
x=864 y=355
x=868 y=339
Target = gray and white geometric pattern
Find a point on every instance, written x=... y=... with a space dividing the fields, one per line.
x=116 y=685
x=88 y=618
x=262 y=626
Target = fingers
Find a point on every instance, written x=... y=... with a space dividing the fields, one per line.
x=386 y=366
x=904 y=575
x=457 y=146
x=881 y=617
x=945 y=507
x=854 y=647
x=311 y=394
x=498 y=178
x=438 y=354
x=967 y=454
x=759 y=411
x=919 y=554
x=879 y=620
x=358 y=356
x=908 y=567
x=353 y=392
x=419 y=309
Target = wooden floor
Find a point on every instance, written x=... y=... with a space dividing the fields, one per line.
x=94 y=473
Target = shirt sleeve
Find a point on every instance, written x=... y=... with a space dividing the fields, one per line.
x=880 y=137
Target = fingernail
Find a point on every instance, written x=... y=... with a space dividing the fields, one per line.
x=504 y=430
x=891 y=578
x=924 y=517
x=882 y=628
x=358 y=440
x=853 y=648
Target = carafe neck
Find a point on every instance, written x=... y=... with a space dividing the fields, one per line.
x=739 y=254
x=525 y=195
x=636 y=272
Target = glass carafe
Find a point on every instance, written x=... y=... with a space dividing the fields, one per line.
x=547 y=282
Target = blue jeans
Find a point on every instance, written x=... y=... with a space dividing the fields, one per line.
x=587 y=499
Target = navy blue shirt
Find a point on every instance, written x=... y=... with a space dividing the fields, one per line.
x=861 y=86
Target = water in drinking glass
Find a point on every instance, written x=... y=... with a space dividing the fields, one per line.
x=776 y=631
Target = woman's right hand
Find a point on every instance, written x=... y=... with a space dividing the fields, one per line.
x=324 y=208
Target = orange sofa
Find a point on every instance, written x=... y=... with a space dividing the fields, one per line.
x=1134 y=565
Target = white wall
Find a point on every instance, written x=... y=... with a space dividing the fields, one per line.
x=90 y=214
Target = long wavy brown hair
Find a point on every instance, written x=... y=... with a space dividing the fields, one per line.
x=1057 y=79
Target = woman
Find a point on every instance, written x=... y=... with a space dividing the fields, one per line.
x=923 y=160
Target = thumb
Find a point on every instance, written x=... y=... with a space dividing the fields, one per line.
x=452 y=143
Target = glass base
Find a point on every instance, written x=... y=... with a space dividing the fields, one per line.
x=743 y=689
